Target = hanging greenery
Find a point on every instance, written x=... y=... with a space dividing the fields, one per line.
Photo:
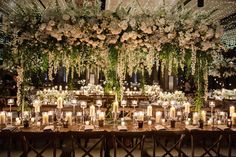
x=78 y=37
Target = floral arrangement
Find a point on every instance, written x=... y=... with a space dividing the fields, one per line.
x=177 y=96
x=152 y=90
x=224 y=93
x=91 y=89
x=117 y=43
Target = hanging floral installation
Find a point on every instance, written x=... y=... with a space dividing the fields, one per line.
x=118 y=43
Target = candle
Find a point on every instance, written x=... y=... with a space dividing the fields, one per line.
x=122 y=123
x=32 y=120
x=231 y=110
x=187 y=107
x=115 y=107
x=219 y=122
x=203 y=115
x=92 y=111
x=79 y=114
x=163 y=121
x=209 y=122
x=2 y=117
x=172 y=112
x=18 y=121
x=149 y=122
x=149 y=111
x=36 y=105
x=69 y=117
x=86 y=122
x=179 y=113
x=158 y=116
x=195 y=118
x=38 y=124
x=101 y=116
x=45 y=118
x=140 y=116
x=233 y=118
x=186 y=122
x=60 y=102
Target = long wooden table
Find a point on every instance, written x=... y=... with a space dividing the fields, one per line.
x=109 y=131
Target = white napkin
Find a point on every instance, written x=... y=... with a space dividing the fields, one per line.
x=48 y=128
x=233 y=129
x=191 y=127
x=9 y=128
x=159 y=127
x=88 y=127
x=122 y=128
x=222 y=127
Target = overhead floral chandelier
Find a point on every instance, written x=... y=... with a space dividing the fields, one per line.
x=118 y=43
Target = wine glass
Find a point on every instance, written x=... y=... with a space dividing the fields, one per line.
x=74 y=102
x=134 y=103
x=10 y=102
x=123 y=104
x=99 y=104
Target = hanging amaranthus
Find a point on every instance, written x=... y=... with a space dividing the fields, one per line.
x=193 y=59
x=19 y=81
x=181 y=63
x=170 y=66
x=206 y=81
x=50 y=66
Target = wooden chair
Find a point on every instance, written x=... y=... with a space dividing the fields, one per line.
x=119 y=136
x=168 y=141
x=98 y=137
x=209 y=141
x=38 y=142
x=6 y=139
x=232 y=139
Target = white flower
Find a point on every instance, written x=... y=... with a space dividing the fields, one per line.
x=123 y=24
x=101 y=37
x=51 y=23
x=66 y=17
x=42 y=26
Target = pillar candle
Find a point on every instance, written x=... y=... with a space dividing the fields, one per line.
x=233 y=118
x=158 y=116
x=172 y=112
x=149 y=122
x=69 y=117
x=115 y=107
x=101 y=116
x=231 y=110
x=18 y=121
x=203 y=115
x=92 y=111
x=140 y=116
x=195 y=118
x=2 y=117
x=187 y=107
x=60 y=102
x=45 y=118
x=149 y=111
